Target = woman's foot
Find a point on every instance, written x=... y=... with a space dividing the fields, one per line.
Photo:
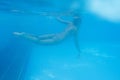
x=18 y=33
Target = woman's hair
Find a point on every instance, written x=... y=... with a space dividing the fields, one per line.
x=76 y=18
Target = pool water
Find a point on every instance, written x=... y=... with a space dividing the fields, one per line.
x=98 y=36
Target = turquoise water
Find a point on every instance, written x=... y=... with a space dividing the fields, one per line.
x=21 y=59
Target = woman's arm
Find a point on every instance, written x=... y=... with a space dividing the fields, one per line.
x=63 y=21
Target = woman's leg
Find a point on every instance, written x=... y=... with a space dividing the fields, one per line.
x=46 y=36
x=26 y=35
x=44 y=39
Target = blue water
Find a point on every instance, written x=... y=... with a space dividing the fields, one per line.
x=21 y=59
